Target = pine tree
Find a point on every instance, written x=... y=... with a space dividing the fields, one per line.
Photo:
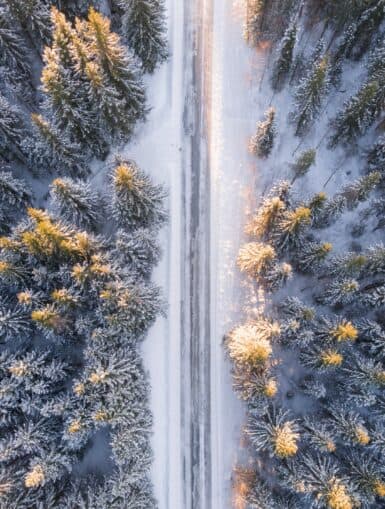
x=284 y=60
x=291 y=228
x=251 y=343
x=14 y=193
x=342 y=291
x=376 y=156
x=76 y=203
x=348 y=425
x=49 y=150
x=119 y=67
x=266 y=218
x=309 y=95
x=34 y=18
x=254 y=25
x=303 y=163
x=13 y=130
x=320 y=479
x=139 y=250
x=348 y=265
x=368 y=476
x=256 y=259
x=13 y=322
x=261 y=144
x=275 y=433
x=144 y=29
x=136 y=201
x=13 y=54
x=357 y=115
x=319 y=436
x=312 y=256
x=360 y=190
x=321 y=358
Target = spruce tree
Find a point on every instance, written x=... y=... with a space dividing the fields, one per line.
x=310 y=93
x=357 y=115
x=50 y=150
x=13 y=130
x=34 y=18
x=136 y=201
x=261 y=144
x=284 y=60
x=76 y=203
x=303 y=163
x=144 y=30
x=119 y=68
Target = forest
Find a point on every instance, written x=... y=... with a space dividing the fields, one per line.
x=309 y=360
x=76 y=256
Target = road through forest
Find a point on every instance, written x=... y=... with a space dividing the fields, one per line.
x=205 y=105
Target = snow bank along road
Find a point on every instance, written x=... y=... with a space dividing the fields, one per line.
x=196 y=141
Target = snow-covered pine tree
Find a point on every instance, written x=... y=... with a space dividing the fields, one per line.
x=309 y=95
x=266 y=218
x=312 y=256
x=344 y=291
x=13 y=53
x=376 y=156
x=283 y=62
x=13 y=130
x=119 y=66
x=303 y=163
x=34 y=19
x=261 y=144
x=49 y=150
x=144 y=29
x=321 y=482
x=250 y=343
x=14 y=193
x=139 y=250
x=274 y=432
x=291 y=229
x=357 y=115
x=256 y=259
x=76 y=202
x=136 y=201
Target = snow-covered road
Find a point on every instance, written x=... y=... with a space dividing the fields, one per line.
x=204 y=110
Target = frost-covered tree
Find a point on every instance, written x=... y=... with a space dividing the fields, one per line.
x=267 y=216
x=291 y=228
x=357 y=115
x=283 y=62
x=136 y=201
x=76 y=202
x=256 y=259
x=312 y=256
x=13 y=192
x=13 y=130
x=343 y=291
x=139 y=250
x=50 y=150
x=34 y=18
x=309 y=95
x=274 y=432
x=261 y=144
x=251 y=342
x=144 y=29
x=303 y=163
x=119 y=67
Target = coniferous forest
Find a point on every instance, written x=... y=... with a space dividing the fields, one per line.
x=76 y=258
x=226 y=156
x=309 y=362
